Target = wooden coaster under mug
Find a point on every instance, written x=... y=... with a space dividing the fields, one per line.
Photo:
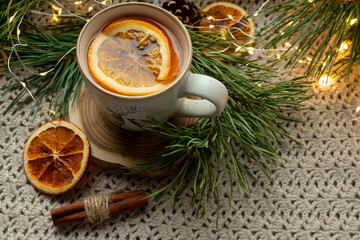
x=112 y=146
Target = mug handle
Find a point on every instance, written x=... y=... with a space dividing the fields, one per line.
x=213 y=91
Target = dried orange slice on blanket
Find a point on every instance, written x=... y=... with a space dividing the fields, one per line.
x=225 y=17
x=133 y=56
x=55 y=156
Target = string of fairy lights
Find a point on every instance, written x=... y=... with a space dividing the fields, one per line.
x=57 y=13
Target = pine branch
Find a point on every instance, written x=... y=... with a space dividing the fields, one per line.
x=251 y=122
x=43 y=50
x=330 y=24
x=12 y=13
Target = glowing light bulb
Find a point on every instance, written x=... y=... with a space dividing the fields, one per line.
x=343 y=47
x=18 y=31
x=324 y=64
x=23 y=84
x=90 y=9
x=43 y=73
x=301 y=61
x=287 y=44
x=59 y=11
x=325 y=81
x=55 y=18
x=230 y=16
x=103 y=2
x=11 y=18
x=211 y=26
x=290 y=23
x=309 y=59
x=256 y=13
x=358 y=109
x=281 y=32
x=353 y=21
x=296 y=47
x=278 y=56
x=210 y=18
x=55 y=7
x=78 y=2
x=238 y=49
x=52 y=112
x=250 y=50
x=310 y=1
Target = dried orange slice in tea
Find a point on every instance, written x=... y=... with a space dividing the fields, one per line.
x=133 y=56
x=225 y=16
x=55 y=156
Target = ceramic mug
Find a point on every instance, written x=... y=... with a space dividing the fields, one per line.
x=165 y=103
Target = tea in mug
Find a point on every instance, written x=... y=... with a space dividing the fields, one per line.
x=133 y=56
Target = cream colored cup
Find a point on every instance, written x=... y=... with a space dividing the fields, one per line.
x=163 y=104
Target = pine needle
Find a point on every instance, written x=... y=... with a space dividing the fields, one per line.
x=325 y=35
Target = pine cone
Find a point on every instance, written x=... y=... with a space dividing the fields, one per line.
x=185 y=11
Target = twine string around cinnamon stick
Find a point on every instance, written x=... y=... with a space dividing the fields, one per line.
x=97 y=208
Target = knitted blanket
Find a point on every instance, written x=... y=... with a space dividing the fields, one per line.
x=315 y=195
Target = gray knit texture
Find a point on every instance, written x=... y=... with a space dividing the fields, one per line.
x=315 y=195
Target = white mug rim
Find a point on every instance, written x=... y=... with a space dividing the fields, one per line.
x=180 y=76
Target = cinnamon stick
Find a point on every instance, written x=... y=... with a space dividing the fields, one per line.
x=79 y=206
x=75 y=213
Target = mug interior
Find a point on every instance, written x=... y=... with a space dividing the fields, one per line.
x=155 y=13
